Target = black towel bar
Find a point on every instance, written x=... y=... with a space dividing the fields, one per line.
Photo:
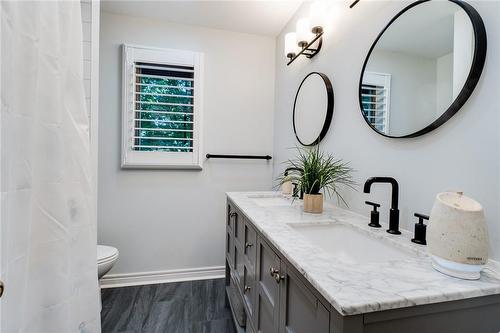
x=246 y=157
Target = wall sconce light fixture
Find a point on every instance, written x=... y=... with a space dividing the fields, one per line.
x=307 y=38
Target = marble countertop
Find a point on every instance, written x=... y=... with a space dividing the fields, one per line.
x=358 y=288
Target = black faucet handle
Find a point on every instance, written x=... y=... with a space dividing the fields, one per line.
x=295 y=190
x=374 y=204
x=420 y=229
x=374 y=216
x=421 y=217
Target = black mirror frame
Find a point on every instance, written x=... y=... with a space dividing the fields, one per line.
x=329 y=109
x=480 y=46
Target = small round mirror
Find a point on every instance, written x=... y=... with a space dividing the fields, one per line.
x=313 y=109
x=422 y=68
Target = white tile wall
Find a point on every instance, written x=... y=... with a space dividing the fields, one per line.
x=86 y=11
x=86 y=69
x=86 y=7
x=86 y=86
x=86 y=26
x=87 y=48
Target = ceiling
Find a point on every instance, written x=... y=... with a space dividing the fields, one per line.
x=253 y=17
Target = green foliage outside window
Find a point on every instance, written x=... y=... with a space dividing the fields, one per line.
x=178 y=121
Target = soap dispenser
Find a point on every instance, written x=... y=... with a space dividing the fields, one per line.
x=420 y=229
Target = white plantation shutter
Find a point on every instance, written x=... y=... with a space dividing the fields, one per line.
x=375 y=97
x=161 y=108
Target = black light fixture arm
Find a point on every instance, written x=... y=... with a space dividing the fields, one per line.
x=353 y=4
x=307 y=50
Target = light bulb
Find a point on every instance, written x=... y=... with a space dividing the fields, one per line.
x=316 y=15
x=304 y=34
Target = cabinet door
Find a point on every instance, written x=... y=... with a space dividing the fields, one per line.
x=300 y=310
x=249 y=289
x=249 y=328
x=230 y=235
x=229 y=218
x=250 y=243
x=239 y=266
x=230 y=249
x=238 y=226
x=267 y=303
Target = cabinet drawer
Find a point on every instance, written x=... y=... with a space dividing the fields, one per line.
x=249 y=289
x=250 y=243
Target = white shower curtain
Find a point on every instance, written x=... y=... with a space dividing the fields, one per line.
x=48 y=228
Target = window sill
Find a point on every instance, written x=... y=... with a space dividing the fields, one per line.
x=193 y=167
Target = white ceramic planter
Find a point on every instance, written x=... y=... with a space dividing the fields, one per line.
x=287 y=188
x=457 y=236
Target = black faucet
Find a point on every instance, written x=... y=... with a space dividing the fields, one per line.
x=294 y=191
x=394 y=211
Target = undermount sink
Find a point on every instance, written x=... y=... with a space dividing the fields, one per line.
x=349 y=245
x=271 y=201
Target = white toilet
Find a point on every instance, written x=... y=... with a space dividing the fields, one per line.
x=106 y=258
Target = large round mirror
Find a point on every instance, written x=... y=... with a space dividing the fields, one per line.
x=422 y=68
x=313 y=109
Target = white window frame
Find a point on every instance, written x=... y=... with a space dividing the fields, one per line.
x=156 y=159
x=383 y=80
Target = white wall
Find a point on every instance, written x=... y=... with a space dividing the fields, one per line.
x=463 y=43
x=444 y=83
x=165 y=220
x=463 y=154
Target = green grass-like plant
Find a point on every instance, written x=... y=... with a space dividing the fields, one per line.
x=314 y=170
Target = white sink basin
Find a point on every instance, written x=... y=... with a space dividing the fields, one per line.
x=272 y=201
x=350 y=245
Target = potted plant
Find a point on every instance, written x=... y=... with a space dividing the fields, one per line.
x=314 y=171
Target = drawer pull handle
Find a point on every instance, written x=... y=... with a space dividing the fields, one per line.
x=279 y=277
x=247 y=245
x=247 y=288
x=273 y=271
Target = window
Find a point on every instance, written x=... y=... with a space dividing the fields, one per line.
x=375 y=97
x=161 y=108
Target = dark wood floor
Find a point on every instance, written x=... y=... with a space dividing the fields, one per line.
x=192 y=306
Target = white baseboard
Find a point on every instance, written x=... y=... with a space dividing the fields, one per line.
x=175 y=275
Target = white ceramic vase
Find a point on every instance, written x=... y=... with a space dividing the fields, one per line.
x=457 y=236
